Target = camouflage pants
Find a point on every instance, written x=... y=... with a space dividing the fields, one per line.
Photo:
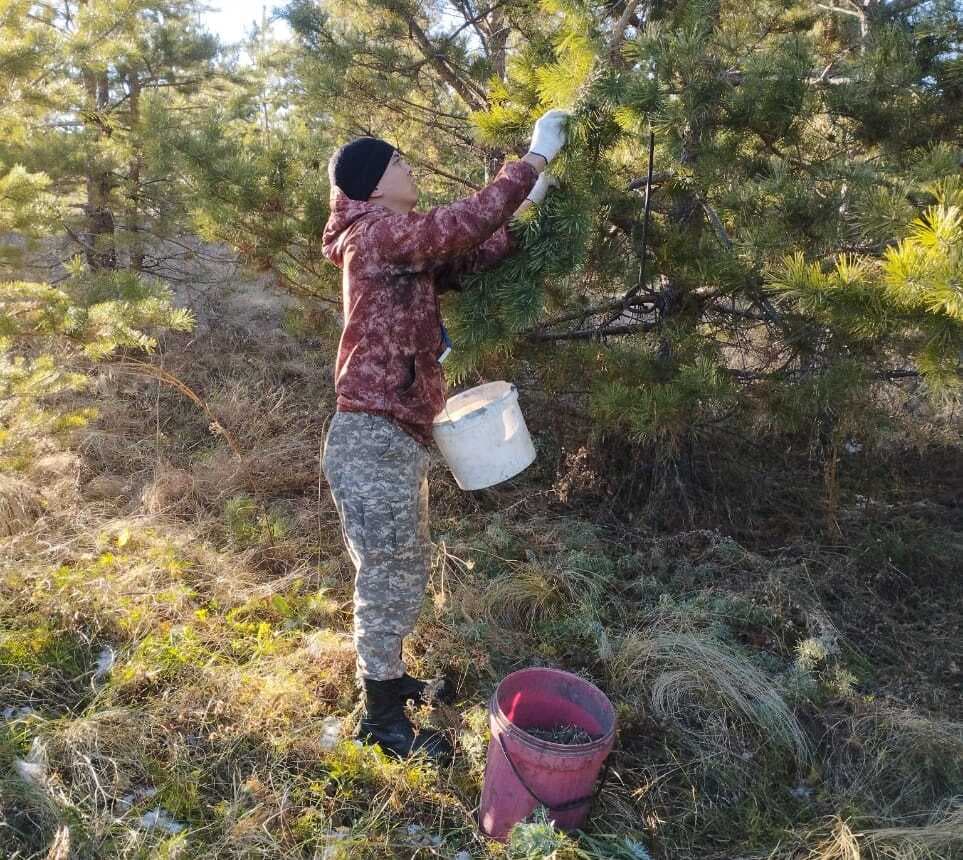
x=378 y=476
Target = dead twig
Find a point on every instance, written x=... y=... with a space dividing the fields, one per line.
x=152 y=371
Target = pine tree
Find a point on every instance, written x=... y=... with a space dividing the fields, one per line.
x=81 y=84
x=402 y=70
x=375 y=67
x=85 y=84
x=770 y=166
x=785 y=255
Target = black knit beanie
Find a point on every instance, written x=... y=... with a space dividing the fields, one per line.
x=357 y=167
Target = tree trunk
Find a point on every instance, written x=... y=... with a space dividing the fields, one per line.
x=671 y=473
x=99 y=245
x=134 y=168
x=497 y=42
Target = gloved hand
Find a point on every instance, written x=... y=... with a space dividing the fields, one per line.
x=549 y=134
x=545 y=181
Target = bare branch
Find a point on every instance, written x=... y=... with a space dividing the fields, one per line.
x=840 y=10
x=618 y=34
x=588 y=334
x=715 y=221
x=440 y=64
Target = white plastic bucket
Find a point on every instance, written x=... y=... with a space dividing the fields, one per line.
x=482 y=435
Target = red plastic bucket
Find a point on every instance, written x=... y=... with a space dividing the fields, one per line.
x=523 y=771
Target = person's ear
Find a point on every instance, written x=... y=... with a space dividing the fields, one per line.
x=377 y=192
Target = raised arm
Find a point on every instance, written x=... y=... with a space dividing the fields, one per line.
x=485 y=256
x=427 y=239
x=493 y=250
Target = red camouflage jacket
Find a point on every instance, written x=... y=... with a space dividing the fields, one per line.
x=394 y=265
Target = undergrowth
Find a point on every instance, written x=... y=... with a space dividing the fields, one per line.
x=177 y=670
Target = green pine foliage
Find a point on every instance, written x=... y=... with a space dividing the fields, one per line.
x=910 y=299
x=84 y=87
x=265 y=196
x=495 y=305
x=49 y=336
x=27 y=208
x=761 y=194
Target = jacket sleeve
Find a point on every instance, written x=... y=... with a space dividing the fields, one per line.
x=428 y=239
x=485 y=256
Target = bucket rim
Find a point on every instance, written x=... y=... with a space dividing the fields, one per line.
x=442 y=419
x=537 y=744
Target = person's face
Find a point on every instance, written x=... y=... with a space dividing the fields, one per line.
x=396 y=188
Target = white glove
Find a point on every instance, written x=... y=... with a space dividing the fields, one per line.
x=549 y=134
x=545 y=181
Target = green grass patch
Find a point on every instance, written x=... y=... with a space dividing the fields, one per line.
x=42 y=648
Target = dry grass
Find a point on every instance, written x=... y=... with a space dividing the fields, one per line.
x=103 y=753
x=60 y=847
x=103 y=488
x=171 y=490
x=688 y=676
x=529 y=593
x=234 y=665
x=899 y=760
x=941 y=837
x=281 y=465
x=842 y=844
x=20 y=505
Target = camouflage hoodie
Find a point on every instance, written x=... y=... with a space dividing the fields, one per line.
x=393 y=267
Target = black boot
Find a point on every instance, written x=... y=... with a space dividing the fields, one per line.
x=425 y=692
x=385 y=723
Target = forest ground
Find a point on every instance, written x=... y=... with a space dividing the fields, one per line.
x=176 y=667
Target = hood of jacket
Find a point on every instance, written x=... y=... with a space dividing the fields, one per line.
x=345 y=213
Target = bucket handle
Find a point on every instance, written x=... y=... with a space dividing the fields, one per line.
x=568 y=805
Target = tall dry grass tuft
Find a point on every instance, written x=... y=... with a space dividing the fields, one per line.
x=897 y=760
x=532 y=591
x=689 y=676
x=941 y=837
x=171 y=490
x=20 y=505
x=840 y=845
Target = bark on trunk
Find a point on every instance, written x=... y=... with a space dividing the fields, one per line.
x=135 y=167
x=99 y=249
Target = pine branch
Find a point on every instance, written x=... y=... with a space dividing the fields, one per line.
x=735 y=77
x=472 y=20
x=589 y=334
x=715 y=221
x=618 y=6
x=439 y=63
x=439 y=172
x=618 y=36
x=643 y=299
x=755 y=376
x=657 y=179
x=839 y=9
